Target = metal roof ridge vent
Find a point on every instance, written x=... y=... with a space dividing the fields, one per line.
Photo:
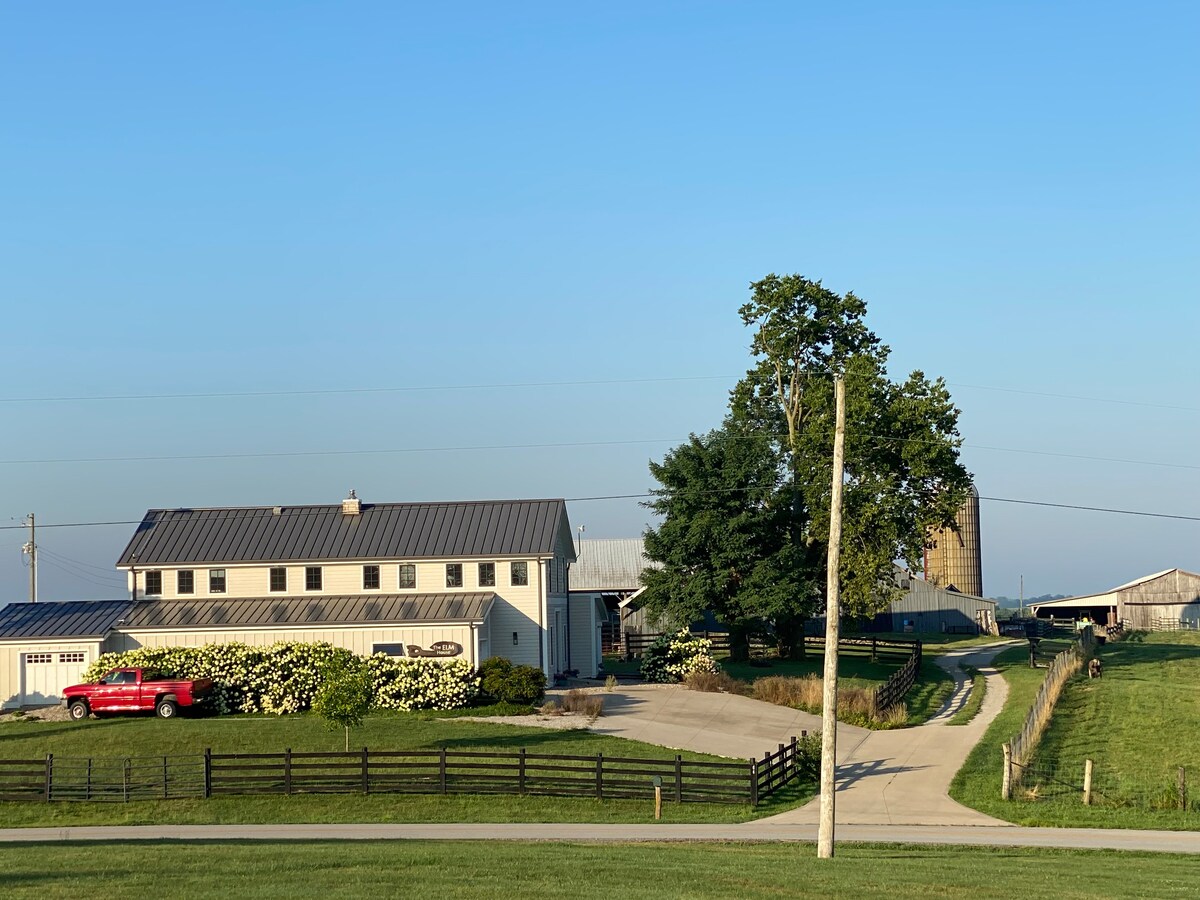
x=352 y=506
x=277 y=510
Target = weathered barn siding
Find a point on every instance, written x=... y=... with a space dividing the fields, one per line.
x=930 y=608
x=1173 y=596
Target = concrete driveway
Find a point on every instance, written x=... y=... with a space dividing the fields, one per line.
x=897 y=777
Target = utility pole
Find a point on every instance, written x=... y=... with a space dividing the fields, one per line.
x=832 y=629
x=31 y=549
x=1021 y=600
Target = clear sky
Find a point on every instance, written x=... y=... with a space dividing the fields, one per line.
x=234 y=198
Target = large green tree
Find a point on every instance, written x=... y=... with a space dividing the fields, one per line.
x=903 y=474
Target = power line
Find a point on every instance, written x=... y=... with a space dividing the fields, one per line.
x=881 y=438
x=85 y=398
x=235 y=514
x=316 y=392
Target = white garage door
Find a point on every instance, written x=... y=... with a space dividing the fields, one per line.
x=44 y=675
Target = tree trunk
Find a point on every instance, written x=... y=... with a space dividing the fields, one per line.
x=789 y=637
x=739 y=642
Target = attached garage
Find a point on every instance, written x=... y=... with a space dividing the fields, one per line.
x=45 y=647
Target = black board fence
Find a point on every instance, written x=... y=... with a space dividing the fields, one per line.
x=365 y=771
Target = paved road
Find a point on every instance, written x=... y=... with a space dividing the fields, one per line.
x=1069 y=838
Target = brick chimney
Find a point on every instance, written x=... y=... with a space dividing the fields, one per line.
x=351 y=506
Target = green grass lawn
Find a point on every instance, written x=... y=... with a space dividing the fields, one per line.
x=143 y=735
x=583 y=871
x=1138 y=723
x=975 y=700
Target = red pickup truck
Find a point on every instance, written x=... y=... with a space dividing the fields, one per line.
x=135 y=690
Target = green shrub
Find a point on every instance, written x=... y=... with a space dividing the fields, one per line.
x=673 y=657
x=502 y=681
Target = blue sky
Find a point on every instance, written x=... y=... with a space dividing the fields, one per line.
x=337 y=196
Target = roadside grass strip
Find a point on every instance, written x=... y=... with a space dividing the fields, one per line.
x=172 y=870
x=1139 y=724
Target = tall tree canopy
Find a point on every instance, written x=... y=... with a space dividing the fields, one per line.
x=745 y=509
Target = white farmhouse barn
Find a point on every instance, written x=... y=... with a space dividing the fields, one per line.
x=466 y=579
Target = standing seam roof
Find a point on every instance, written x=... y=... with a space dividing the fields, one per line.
x=314 y=533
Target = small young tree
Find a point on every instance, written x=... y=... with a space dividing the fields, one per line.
x=345 y=698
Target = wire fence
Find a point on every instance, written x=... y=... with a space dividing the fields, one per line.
x=1151 y=789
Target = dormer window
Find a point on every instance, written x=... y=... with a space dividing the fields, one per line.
x=154 y=582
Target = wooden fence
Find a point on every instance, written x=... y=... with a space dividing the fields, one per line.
x=442 y=771
x=877 y=649
x=1019 y=751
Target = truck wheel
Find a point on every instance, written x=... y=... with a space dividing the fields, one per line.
x=166 y=709
x=78 y=710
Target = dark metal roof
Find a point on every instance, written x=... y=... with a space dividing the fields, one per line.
x=77 y=618
x=286 y=612
x=380 y=531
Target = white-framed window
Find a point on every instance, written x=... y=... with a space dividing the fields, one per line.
x=370 y=578
x=154 y=582
x=408 y=576
x=312 y=578
x=277 y=580
x=487 y=574
x=519 y=574
x=185 y=581
x=216 y=581
x=38 y=658
x=388 y=649
x=76 y=657
x=454 y=575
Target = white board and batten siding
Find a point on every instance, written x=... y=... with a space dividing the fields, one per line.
x=356 y=639
x=34 y=673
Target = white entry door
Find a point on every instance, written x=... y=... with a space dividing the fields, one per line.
x=45 y=674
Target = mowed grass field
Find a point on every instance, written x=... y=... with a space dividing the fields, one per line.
x=120 y=736
x=194 y=869
x=1138 y=723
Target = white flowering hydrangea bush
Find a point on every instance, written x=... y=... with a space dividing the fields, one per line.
x=285 y=677
x=672 y=657
x=422 y=683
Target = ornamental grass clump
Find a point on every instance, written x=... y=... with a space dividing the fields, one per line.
x=673 y=657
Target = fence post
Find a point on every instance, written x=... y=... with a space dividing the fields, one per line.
x=1087 y=782
x=521 y=771
x=919 y=655
x=366 y=782
x=753 y=782
x=599 y=776
x=125 y=775
x=442 y=770
x=874 y=641
x=678 y=778
x=1006 y=785
x=1182 y=788
x=50 y=773
x=166 y=790
x=207 y=772
x=88 y=789
x=287 y=770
